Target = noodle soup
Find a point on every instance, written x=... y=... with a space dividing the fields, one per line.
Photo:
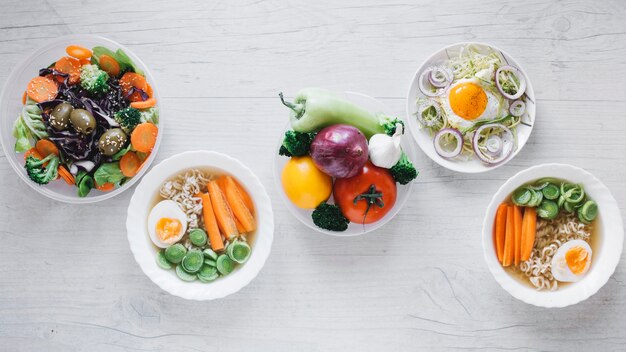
x=546 y=232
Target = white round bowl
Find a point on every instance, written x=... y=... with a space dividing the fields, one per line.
x=425 y=140
x=606 y=253
x=11 y=105
x=145 y=251
x=304 y=215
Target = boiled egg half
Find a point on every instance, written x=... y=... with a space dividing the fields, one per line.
x=571 y=261
x=468 y=101
x=167 y=223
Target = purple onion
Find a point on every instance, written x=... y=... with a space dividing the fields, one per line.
x=339 y=150
x=425 y=79
x=459 y=143
x=494 y=155
x=520 y=76
x=517 y=108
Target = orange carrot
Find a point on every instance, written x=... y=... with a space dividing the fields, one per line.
x=499 y=230
x=105 y=187
x=133 y=80
x=529 y=230
x=509 y=238
x=235 y=200
x=45 y=147
x=109 y=65
x=24 y=98
x=149 y=91
x=78 y=52
x=84 y=62
x=144 y=137
x=517 y=222
x=32 y=152
x=223 y=212
x=148 y=103
x=210 y=223
x=129 y=164
x=71 y=66
x=66 y=175
x=42 y=89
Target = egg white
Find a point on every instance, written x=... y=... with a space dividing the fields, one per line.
x=560 y=270
x=493 y=110
x=166 y=209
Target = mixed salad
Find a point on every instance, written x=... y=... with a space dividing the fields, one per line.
x=90 y=118
x=339 y=149
x=471 y=105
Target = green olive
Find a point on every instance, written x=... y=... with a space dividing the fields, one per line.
x=112 y=141
x=60 y=116
x=83 y=121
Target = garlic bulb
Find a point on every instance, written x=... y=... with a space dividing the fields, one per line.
x=385 y=151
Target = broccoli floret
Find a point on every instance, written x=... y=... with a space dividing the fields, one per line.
x=329 y=217
x=128 y=118
x=389 y=124
x=41 y=173
x=296 y=143
x=403 y=171
x=93 y=79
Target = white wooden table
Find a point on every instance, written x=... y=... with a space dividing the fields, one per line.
x=69 y=282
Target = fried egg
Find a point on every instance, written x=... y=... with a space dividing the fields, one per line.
x=467 y=101
x=167 y=223
x=571 y=261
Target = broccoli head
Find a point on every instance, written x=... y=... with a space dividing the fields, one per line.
x=128 y=118
x=389 y=124
x=403 y=171
x=93 y=79
x=329 y=217
x=42 y=171
x=296 y=143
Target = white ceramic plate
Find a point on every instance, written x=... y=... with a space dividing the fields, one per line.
x=606 y=254
x=304 y=215
x=425 y=140
x=145 y=252
x=11 y=105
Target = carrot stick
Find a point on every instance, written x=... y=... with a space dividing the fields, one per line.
x=42 y=89
x=46 y=147
x=66 y=175
x=529 y=231
x=210 y=223
x=517 y=223
x=130 y=164
x=235 y=200
x=148 y=103
x=223 y=212
x=509 y=238
x=499 y=230
x=144 y=137
x=239 y=226
x=78 y=52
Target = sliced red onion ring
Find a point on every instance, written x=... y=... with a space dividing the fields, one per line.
x=440 y=77
x=517 y=108
x=499 y=147
x=423 y=107
x=522 y=82
x=425 y=84
x=444 y=153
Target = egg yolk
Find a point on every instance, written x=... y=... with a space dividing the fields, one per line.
x=468 y=100
x=576 y=258
x=168 y=229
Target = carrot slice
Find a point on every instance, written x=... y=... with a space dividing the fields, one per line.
x=42 y=89
x=32 y=152
x=66 y=175
x=46 y=147
x=84 y=62
x=130 y=164
x=109 y=65
x=210 y=223
x=529 y=231
x=105 y=187
x=499 y=230
x=24 y=98
x=148 y=103
x=71 y=66
x=223 y=212
x=144 y=137
x=509 y=238
x=517 y=222
x=78 y=52
x=133 y=80
x=149 y=91
x=235 y=200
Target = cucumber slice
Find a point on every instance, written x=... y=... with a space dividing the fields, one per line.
x=551 y=191
x=535 y=199
x=238 y=251
x=198 y=237
x=208 y=253
x=175 y=253
x=192 y=262
x=210 y=262
x=183 y=275
x=589 y=210
x=207 y=274
x=569 y=207
x=522 y=196
x=548 y=209
x=162 y=262
x=225 y=265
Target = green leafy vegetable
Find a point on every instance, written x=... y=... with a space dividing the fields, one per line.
x=389 y=124
x=22 y=136
x=93 y=79
x=404 y=171
x=128 y=118
x=329 y=217
x=42 y=171
x=109 y=172
x=150 y=115
x=84 y=182
x=296 y=143
x=31 y=118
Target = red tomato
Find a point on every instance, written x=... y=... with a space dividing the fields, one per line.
x=382 y=195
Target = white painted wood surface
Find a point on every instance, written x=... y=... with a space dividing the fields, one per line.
x=68 y=281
